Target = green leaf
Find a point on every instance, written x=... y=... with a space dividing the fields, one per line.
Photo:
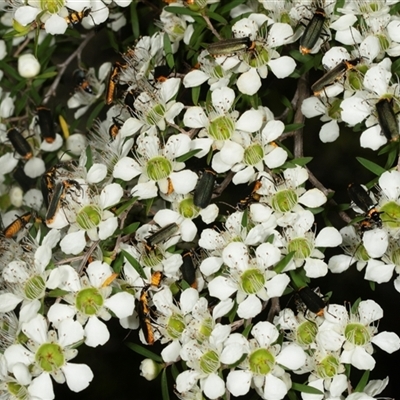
x=280 y=266
x=188 y=155
x=293 y=127
x=47 y=75
x=218 y=18
x=134 y=19
x=231 y=4
x=9 y=69
x=135 y=264
x=363 y=382
x=371 y=166
x=128 y=230
x=168 y=52
x=125 y=206
x=174 y=371
x=94 y=114
x=118 y=263
x=196 y=94
x=164 y=385
x=57 y=293
x=143 y=351
x=305 y=388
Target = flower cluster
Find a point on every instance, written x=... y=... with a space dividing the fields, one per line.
x=188 y=209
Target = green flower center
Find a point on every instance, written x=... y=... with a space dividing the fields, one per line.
x=257 y=57
x=357 y=334
x=221 y=128
x=395 y=256
x=187 y=209
x=89 y=217
x=334 y=110
x=390 y=214
x=89 y=301
x=50 y=357
x=205 y=329
x=328 y=367
x=284 y=200
x=158 y=168
x=155 y=114
x=217 y=72
x=152 y=258
x=306 y=333
x=209 y=362
x=261 y=362
x=361 y=253
x=18 y=392
x=253 y=154
x=34 y=288
x=52 y=6
x=383 y=42
x=175 y=326
x=252 y=281
x=302 y=248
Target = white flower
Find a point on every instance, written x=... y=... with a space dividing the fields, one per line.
x=90 y=297
x=157 y=166
x=44 y=345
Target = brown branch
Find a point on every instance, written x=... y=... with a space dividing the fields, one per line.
x=21 y=47
x=62 y=67
x=87 y=255
x=210 y=25
x=302 y=88
x=223 y=185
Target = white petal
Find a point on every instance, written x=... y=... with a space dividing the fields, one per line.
x=126 y=169
x=389 y=182
x=329 y=132
x=378 y=271
x=312 y=107
x=238 y=382
x=375 y=242
x=359 y=358
x=78 y=376
x=231 y=152
x=146 y=190
x=222 y=308
x=222 y=99
x=8 y=301
x=249 y=82
x=250 y=121
x=69 y=332
x=275 y=158
x=340 y=263
x=26 y=14
x=274 y=388
x=221 y=288
x=315 y=268
x=170 y=354
x=73 y=243
x=121 y=304
x=184 y=181
x=195 y=118
x=96 y=173
x=250 y=307
x=209 y=266
x=292 y=357
x=213 y=386
x=272 y=130
x=354 y=110
x=111 y=195
x=41 y=387
x=282 y=67
x=194 y=78
x=328 y=237
x=372 y=138
x=277 y=285
x=387 y=341
x=96 y=333
x=313 y=198
x=186 y=380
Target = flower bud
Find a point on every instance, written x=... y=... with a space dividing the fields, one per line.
x=28 y=66
x=16 y=196
x=149 y=369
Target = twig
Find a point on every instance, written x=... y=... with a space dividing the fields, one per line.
x=274 y=309
x=62 y=67
x=223 y=185
x=302 y=86
x=68 y=260
x=87 y=255
x=210 y=25
x=21 y=47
